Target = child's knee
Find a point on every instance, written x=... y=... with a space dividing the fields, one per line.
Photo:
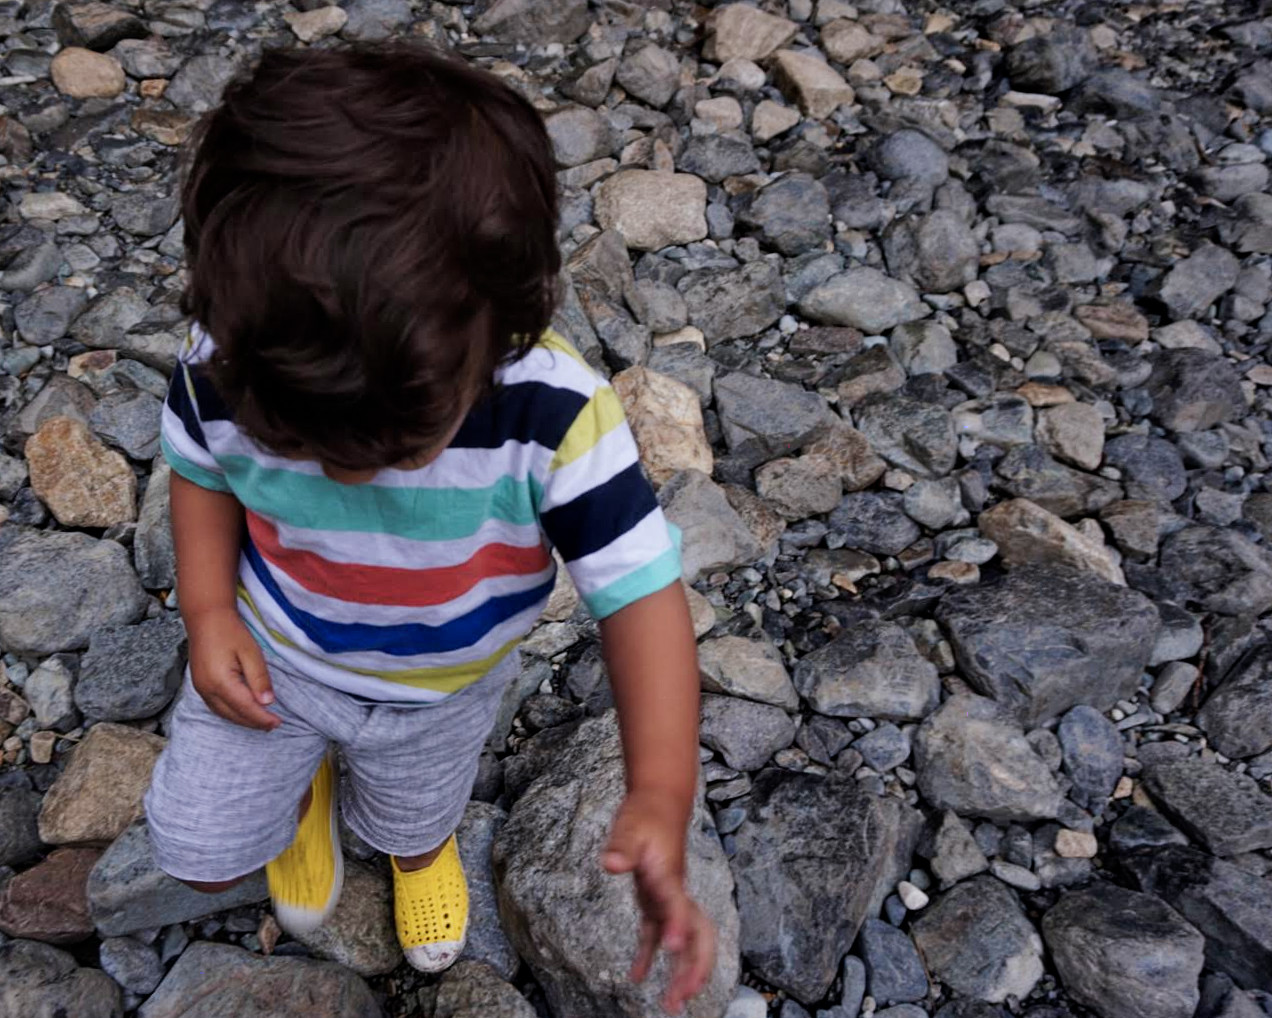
x=213 y=886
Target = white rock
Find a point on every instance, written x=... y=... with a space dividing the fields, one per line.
x=1075 y=844
x=740 y=31
x=771 y=119
x=49 y=205
x=911 y=897
x=653 y=210
x=316 y=24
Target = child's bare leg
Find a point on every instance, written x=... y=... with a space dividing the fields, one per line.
x=217 y=886
x=407 y=863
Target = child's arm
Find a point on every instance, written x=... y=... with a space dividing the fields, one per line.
x=226 y=665
x=652 y=659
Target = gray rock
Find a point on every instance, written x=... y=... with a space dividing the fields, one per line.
x=145 y=214
x=977 y=941
x=95 y=26
x=791 y=215
x=884 y=748
x=57 y=588
x=911 y=155
x=131 y=672
x=865 y=299
x=531 y=22
x=376 y=20
x=13 y=475
x=1220 y=570
x=1172 y=686
x=652 y=75
x=470 y=988
x=659 y=305
x=1141 y=827
x=1237 y=718
x=971 y=759
x=1045 y=638
x=894 y=971
x=1092 y=755
x=197 y=87
x=39 y=981
x=716 y=156
x=153 y=552
x=130 y=421
x=127 y=892
x=19 y=836
x=815 y=857
x=715 y=536
x=733 y=303
x=686 y=363
x=933 y=503
x=487 y=941
x=763 y=418
x=1152 y=468
x=545 y=862
x=1193 y=390
x=147 y=58
x=1226 y=811
x=874 y=522
x=1052 y=63
x=744 y=732
x=45 y=316
x=874 y=670
x=939 y=252
x=913 y=435
x=1125 y=954
x=211 y=979
x=750 y=668
x=951 y=850
x=874 y=370
x=49 y=692
x=35 y=264
x=1029 y=472
x=359 y=935
x=1196 y=282
x=924 y=348
x=980 y=1009
x=1230 y=908
x=132 y=964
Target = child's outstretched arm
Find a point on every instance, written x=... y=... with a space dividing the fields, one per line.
x=226 y=664
x=653 y=667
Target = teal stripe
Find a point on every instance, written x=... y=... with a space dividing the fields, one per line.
x=192 y=471
x=648 y=579
x=316 y=502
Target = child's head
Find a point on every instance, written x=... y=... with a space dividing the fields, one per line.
x=370 y=233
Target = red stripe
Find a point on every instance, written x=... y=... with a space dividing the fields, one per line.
x=391 y=585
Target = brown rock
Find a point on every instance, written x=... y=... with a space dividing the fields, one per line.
x=319 y=23
x=765 y=525
x=1039 y=394
x=49 y=902
x=83 y=483
x=1025 y=532
x=153 y=88
x=83 y=74
x=743 y=32
x=1073 y=432
x=817 y=86
x=1113 y=321
x=666 y=418
x=96 y=26
x=653 y=210
x=846 y=41
x=800 y=488
x=100 y=792
x=850 y=454
x=15 y=140
x=962 y=573
x=167 y=127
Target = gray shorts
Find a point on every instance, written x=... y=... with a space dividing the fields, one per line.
x=223 y=798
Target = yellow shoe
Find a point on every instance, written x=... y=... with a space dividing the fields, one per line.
x=431 y=908
x=305 y=881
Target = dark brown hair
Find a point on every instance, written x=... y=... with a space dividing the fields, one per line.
x=370 y=233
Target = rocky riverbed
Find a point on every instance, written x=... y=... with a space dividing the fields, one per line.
x=943 y=328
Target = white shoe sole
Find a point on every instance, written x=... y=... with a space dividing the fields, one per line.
x=299 y=921
x=434 y=958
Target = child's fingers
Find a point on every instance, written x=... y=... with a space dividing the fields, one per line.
x=693 y=964
x=241 y=707
x=626 y=844
x=255 y=674
x=645 y=949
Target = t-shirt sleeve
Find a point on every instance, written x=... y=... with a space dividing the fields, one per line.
x=599 y=511
x=182 y=434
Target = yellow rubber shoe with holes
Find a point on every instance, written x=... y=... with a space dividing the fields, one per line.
x=305 y=880
x=431 y=909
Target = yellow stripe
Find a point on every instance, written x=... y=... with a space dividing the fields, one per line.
x=602 y=414
x=553 y=340
x=448 y=679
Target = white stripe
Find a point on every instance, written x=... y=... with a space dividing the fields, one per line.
x=551 y=367
x=275 y=618
x=183 y=444
x=349 y=682
x=333 y=609
x=356 y=548
x=614 y=453
x=625 y=554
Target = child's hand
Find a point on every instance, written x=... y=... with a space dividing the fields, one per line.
x=228 y=669
x=648 y=841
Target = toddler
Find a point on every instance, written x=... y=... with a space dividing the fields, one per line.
x=376 y=441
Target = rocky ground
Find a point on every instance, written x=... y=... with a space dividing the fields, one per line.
x=943 y=329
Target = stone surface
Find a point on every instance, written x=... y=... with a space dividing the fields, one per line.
x=310 y=26
x=918 y=437
x=666 y=420
x=872 y=670
x=1219 y=570
x=82 y=74
x=131 y=672
x=653 y=210
x=1092 y=748
x=1197 y=281
x=733 y=303
x=153 y=552
x=650 y=74
x=1125 y=954
x=875 y=523
x=1046 y=638
x=211 y=979
x=99 y=793
x=528 y=22
x=470 y=988
x=970 y=759
x=1027 y=534
x=39 y=981
x=128 y=893
x=83 y=483
x=976 y=940
x=791 y=215
x=56 y=589
x=197 y=87
x=545 y=864
x=748 y=668
x=864 y=299
x=1227 y=812
x=715 y=536
x=763 y=418
x=48 y=902
x=19 y=835
x=742 y=32
x=487 y=942
x=360 y=935
x=814 y=84
x=1074 y=433
x=744 y=732
x=894 y=971
x=815 y=857
x=1237 y=716
x=1193 y=390
x=951 y=850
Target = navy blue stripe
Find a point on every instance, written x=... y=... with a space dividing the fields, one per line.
x=600 y=515
x=521 y=412
x=405 y=639
x=180 y=404
x=211 y=406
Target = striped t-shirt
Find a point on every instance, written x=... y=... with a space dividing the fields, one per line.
x=417 y=583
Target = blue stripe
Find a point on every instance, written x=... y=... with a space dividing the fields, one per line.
x=179 y=403
x=211 y=406
x=403 y=640
x=600 y=515
x=520 y=412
